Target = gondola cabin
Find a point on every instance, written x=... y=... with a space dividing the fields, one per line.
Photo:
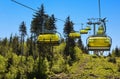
x=100 y=32
x=74 y=35
x=101 y=27
x=99 y=43
x=52 y=39
x=88 y=28
x=83 y=31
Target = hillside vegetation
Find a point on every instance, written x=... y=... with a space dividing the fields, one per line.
x=91 y=67
x=28 y=58
x=85 y=66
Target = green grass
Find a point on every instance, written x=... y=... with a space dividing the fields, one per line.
x=91 y=67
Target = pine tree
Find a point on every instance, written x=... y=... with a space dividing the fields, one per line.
x=4 y=46
x=80 y=44
x=23 y=32
x=29 y=45
x=10 y=40
x=38 y=21
x=37 y=25
x=117 y=52
x=68 y=27
x=23 y=29
x=70 y=43
x=50 y=23
x=16 y=45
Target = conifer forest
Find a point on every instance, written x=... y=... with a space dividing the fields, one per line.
x=46 y=54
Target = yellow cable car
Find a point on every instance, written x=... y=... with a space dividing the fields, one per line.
x=102 y=43
x=101 y=27
x=83 y=31
x=88 y=28
x=74 y=35
x=51 y=38
x=100 y=32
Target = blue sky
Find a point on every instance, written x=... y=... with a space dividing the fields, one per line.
x=11 y=15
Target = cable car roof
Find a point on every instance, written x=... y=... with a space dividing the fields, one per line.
x=83 y=31
x=99 y=43
x=48 y=38
x=74 y=35
x=88 y=28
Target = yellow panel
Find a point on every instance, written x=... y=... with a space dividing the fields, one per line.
x=101 y=27
x=100 y=32
x=88 y=28
x=74 y=35
x=83 y=31
x=99 y=42
x=48 y=38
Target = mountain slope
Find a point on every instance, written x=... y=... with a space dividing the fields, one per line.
x=91 y=67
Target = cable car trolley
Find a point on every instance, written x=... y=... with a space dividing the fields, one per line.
x=83 y=31
x=74 y=35
x=99 y=41
x=49 y=38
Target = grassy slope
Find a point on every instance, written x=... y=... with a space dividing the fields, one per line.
x=92 y=68
x=89 y=67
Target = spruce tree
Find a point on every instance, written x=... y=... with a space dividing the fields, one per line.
x=70 y=43
x=68 y=27
x=38 y=21
x=23 y=32
x=16 y=45
x=50 y=23
x=117 y=52
x=37 y=24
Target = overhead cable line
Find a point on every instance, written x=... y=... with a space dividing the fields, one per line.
x=23 y=5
